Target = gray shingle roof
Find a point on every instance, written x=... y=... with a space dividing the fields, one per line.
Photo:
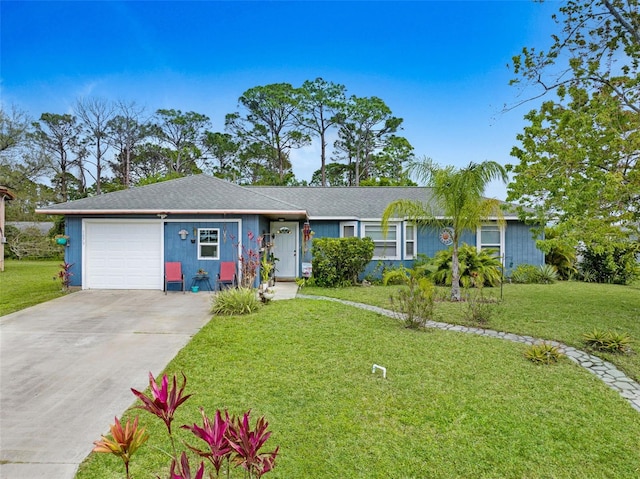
x=191 y=194
x=43 y=226
x=203 y=194
x=344 y=202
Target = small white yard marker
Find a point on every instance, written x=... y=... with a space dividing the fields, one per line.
x=381 y=368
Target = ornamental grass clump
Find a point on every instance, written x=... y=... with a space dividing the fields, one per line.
x=530 y=274
x=619 y=342
x=231 y=302
x=608 y=341
x=543 y=353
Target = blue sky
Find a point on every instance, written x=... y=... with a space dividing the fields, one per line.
x=442 y=66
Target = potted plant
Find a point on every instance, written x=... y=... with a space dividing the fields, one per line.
x=201 y=274
x=61 y=239
x=267 y=295
x=266 y=268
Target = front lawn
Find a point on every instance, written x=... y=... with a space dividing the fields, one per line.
x=453 y=405
x=562 y=311
x=26 y=283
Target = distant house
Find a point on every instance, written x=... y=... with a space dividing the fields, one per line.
x=121 y=240
x=43 y=227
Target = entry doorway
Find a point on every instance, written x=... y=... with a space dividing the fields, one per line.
x=285 y=248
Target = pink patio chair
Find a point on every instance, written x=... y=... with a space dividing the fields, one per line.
x=227 y=274
x=173 y=274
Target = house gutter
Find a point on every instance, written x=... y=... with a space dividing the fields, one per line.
x=155 y=211
x=354 y=218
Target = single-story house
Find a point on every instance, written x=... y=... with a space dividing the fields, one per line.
x=121 y=240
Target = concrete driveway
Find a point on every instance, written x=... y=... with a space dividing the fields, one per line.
x=67 y=366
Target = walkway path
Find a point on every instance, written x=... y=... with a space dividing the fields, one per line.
x=607 y=372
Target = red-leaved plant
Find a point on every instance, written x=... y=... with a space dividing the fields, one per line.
x=64 y=275
x=124 y=442
x=250 y=258
x=184 y=471
x=233 y=439
x=214 y=433
x=228 y=438
x=164 y=401
x=247 y=442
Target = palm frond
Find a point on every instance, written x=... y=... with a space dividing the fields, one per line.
x=415 y=211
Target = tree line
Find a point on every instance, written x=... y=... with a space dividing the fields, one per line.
x=105 y=145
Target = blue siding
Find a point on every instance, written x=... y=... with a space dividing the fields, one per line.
x=325 y=229
x=263 y=226
x=175 y=249
x=186 y=251
x=321 y=229
x=73 y=253
x=520 y=247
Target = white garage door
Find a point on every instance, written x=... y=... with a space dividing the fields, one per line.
x=123 y=255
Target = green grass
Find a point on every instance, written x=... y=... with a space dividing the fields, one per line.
x=26 y=283
x=452 y=406
x=562 y=311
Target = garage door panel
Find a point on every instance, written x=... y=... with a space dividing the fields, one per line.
x=123 y=255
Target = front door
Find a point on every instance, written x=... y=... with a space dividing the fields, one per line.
x=285 y=248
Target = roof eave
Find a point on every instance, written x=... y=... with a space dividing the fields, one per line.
x=155 y=211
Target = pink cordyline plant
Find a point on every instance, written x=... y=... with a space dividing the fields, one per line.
x=164 y=401
x=214 y=433
x=246 y=444
x=250 y=258
x=184 y=471
x=124 y=442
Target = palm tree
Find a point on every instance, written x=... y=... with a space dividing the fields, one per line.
x=456 y=201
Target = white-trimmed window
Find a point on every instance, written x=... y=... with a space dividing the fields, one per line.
x=348 y=229
x=208 y=243
x=386 y=247
x=410 y=235
x=491 y=236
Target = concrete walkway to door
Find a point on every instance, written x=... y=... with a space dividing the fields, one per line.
x=67 y=366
